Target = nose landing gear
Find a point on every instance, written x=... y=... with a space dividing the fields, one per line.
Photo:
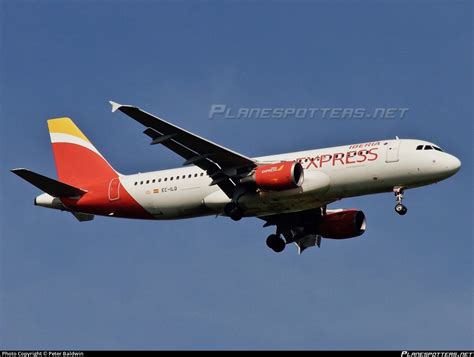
x=399 y=207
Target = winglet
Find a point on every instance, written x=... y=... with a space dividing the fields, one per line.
x=115 y=105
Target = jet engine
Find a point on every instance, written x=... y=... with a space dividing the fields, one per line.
x=342 y=224
x=277 y=177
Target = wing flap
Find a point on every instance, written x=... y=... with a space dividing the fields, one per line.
x=180 y=149
x=308 y=241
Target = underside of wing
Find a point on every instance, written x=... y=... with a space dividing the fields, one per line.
x=306 y=228
x=297 y=227
x=289 y=220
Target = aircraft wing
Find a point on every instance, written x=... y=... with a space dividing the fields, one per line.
x=224 y=166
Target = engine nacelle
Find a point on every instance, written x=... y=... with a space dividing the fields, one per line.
x=277 y=177
x=343 y=224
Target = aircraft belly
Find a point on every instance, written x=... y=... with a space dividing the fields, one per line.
x=283 y=206
x=185 y=202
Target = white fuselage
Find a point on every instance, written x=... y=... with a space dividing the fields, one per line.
x=330 y=174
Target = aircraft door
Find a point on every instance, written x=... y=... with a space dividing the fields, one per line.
x=114 y=189
x=393 y=148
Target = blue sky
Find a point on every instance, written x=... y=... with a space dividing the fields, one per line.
x=212 y=283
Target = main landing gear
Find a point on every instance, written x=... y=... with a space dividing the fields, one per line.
x=276 y=242
x=233 y=211
x=399 y=207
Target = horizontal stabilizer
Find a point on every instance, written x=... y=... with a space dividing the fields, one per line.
x=83 y=217
x=48 y=185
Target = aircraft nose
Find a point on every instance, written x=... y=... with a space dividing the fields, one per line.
x=452 y=164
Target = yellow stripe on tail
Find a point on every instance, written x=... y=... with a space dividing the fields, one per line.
x=65 y=126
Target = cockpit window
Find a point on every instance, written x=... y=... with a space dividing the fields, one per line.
x=428 y=147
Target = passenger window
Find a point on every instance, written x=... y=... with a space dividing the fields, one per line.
x=177 y=177
x=195 y=175
x=141 y=182
x=184 y=176
x=419 y=147
x=135 y=183
x=153 y=181
x=159 y=180
x=166 y=179
x=147 y=182
x=171 y=178
x=202 y=173
x=189 y=176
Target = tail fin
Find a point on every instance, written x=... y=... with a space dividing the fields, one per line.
x=78 y=162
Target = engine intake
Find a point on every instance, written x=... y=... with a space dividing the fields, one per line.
x=277 y=177
x=349 y=223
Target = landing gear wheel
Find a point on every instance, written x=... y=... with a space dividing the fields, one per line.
x=400 y=209
x=233 y=211
x=276 y=243
x=237 y=215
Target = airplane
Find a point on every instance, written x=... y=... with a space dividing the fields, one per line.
x=290 y=191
